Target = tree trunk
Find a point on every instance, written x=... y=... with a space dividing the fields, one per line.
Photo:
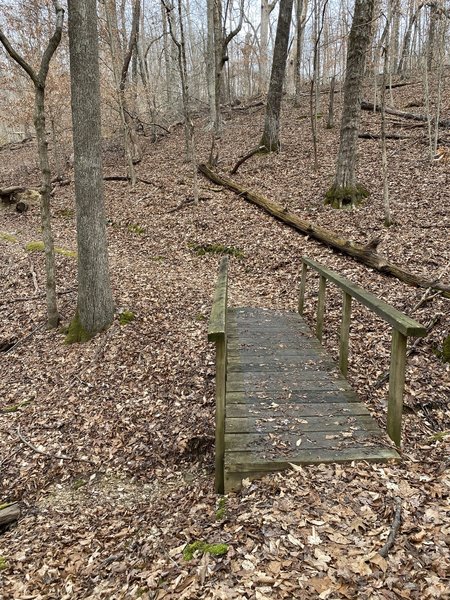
x=345 y=190
x=95 y=308
x=365 y=254
x=270 y=138
x=46 y=188
x=302 y=6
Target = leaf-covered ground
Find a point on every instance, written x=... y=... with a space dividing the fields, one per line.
x=133 y=410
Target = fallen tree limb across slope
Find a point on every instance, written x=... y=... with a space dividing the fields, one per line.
x=365 y=254
x=444 y=123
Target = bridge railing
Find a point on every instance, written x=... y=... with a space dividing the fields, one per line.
x=217 y=332
x=402 y=327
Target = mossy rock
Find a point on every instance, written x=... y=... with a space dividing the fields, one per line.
x=346 y=197
x=202 y=249
x=126 y=316
x=76 y=332
x=201 y=548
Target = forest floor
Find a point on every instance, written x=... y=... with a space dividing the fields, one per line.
x=134 y=408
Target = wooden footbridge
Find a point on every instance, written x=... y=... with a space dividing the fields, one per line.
x=281 y=400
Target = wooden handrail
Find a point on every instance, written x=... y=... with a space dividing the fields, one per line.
x=217 y=332
x=402 y=327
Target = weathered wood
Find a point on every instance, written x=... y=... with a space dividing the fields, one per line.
x=268 y=423
x=364 y=254
x=321 y=307
x=217 y=333
x=217 y=321
x=287 y=403
x=301 y=295
x=396 y=386
x=394 y=317
x=345 y=333
x=9 y=514
x=443 y=123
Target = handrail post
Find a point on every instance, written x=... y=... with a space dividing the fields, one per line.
x=221 y=377
x=301 y=296
x=396 y=386
x=321 y=307
x=217 y=332
x=345 y=333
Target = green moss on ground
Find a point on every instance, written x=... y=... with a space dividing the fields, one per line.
x=203 y=548
x=7 y=237
x=3 y=563
x=126 y=317
x=39 y=247
x=136 y=228
x=76 y=332
x=346 y=197
x=221 y=509
x=202 y=249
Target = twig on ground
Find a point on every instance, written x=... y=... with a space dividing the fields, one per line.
x=39 y=297
x=40 y=326
x=242 y=160
x=49 y=454
x=394 y=529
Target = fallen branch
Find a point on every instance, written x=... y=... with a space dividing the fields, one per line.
x=242 y=160
x=187 y=202
x=394 y=530
x=126 y=178
x=445 y=123
x=367 y=254
x=39 y=297
x=49 y=454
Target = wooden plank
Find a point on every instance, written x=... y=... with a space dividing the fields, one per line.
x=217 y=321
x=292 y=397
x=345 y=333
x=246 y=462
x=296 y=410
x=396 y=386
x=281 y=442
x=301 y=295
x=267 y=423
x=397 y=319
x=321 y=307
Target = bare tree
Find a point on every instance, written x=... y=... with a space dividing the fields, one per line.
x=271 y=135
x=39 y=80
x=266 y=10
x=95 y=307
x=345 y=190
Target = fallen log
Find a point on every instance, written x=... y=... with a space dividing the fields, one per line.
x=365 y=254
x=444 y=123
x=388 y=136
x=9 y=513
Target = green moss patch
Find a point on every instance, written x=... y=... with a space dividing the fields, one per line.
x=126 y=317
x=3 y=563
x=76 y=332
x=346 y=197
x=201 y=548
x=7 y=237
x=12 y=408
x=136 y=228
x=39 y=247
x=202 y=249
x=221 y=509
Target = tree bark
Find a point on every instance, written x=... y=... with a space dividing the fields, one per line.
x=345 y=189
x=367 y=254
x=271 y=134
x=95 y=308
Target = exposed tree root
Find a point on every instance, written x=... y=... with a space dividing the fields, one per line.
x=367 y=254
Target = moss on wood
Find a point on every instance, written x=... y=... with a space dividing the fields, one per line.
x=346 y=197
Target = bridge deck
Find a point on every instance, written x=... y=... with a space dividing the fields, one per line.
x=287 y=402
